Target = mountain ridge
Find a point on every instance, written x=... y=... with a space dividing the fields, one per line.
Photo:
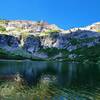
x=26 y=23
x=40 y=40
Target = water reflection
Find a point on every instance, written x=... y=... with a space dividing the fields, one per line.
x=50 y=74
x=66 y=73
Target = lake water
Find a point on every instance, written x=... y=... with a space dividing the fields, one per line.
x=56 y=80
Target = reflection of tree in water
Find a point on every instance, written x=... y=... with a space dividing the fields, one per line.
x=73 y=74
x=67 y=73
x=33 y=75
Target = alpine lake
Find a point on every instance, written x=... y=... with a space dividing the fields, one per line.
x=46 y=80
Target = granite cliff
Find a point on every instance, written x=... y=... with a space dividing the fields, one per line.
x=43 y=41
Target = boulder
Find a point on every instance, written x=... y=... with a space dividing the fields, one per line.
x=72 y=56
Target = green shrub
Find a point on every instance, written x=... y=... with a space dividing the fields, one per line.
x=90 y=53
x=2 y=29
x=54 y=31
x=51 y=31
x=87 y=40
x=2 y=21
x=74 y=41
x=53 y=51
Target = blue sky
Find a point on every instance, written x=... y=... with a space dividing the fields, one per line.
x=64 y=13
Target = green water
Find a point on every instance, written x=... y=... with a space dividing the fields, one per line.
x=42 y=80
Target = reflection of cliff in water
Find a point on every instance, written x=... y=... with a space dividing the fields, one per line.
x=66 y=74
x=79 y=75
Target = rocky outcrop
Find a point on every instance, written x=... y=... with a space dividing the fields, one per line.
x=7 y=40
x=35 y=37
x=55 y=40
x=32 y=44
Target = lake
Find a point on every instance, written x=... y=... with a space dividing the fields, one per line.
x=43 y=80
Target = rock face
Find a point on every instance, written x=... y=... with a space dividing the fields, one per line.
x=32 y=44
x=37 y=36
x=6 y=40
x=63 y=41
